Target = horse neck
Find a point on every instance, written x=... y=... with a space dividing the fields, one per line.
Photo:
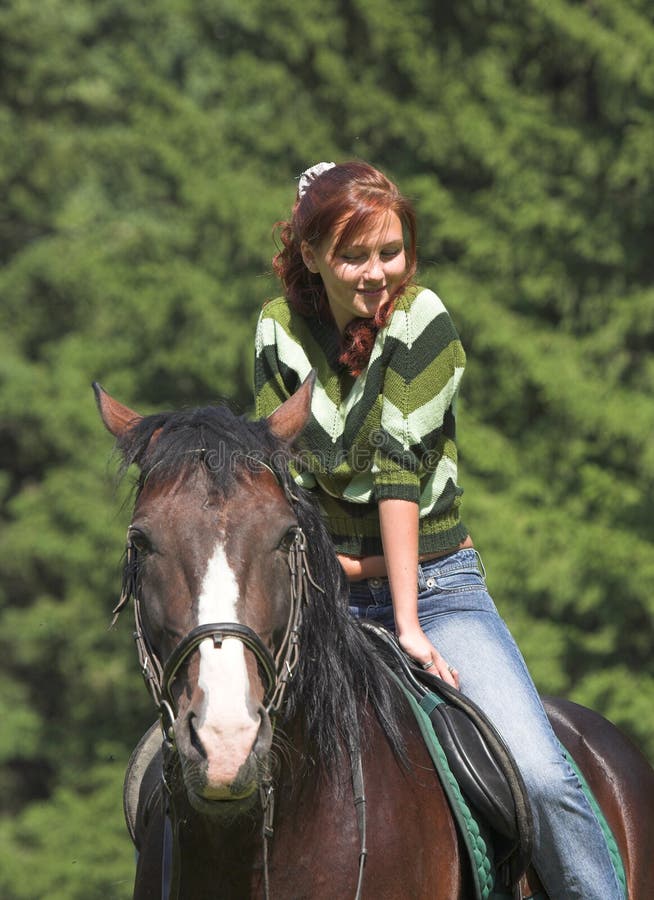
x=228 y=851
x=217 y=851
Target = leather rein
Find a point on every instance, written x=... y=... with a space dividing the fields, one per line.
x=276 y=670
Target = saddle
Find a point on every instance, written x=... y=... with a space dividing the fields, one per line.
x=481 y=763
x=143 y=779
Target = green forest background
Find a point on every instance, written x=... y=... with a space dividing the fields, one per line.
x=146 y=149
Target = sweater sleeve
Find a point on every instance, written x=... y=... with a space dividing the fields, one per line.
x=424 y=361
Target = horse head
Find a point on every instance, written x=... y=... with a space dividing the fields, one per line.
x=209 y=546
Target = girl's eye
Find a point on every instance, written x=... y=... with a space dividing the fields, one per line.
x=353 y=256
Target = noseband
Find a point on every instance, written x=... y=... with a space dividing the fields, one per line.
x=276 y=670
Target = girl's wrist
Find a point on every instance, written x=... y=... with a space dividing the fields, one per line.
x=407 y=622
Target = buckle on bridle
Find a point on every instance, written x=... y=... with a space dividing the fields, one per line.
x=167 y=721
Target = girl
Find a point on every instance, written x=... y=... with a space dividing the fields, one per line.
x=380 y=453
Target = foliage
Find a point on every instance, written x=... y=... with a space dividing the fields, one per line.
x=145 y=152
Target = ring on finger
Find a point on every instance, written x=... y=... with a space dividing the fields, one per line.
x=428 y=664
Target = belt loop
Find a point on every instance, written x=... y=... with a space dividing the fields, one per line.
x=482 y=567
x=422 y=581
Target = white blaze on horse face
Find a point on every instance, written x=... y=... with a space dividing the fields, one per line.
x=228 y=719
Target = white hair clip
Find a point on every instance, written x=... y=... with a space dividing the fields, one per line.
x=310 y=175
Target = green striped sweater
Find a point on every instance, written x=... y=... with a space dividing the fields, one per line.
x=390 y=432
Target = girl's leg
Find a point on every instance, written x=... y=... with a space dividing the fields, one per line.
x=458 y=615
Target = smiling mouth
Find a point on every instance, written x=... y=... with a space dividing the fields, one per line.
x=373 y=291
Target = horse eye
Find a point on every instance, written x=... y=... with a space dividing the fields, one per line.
x=287 y=541
x=139 y=541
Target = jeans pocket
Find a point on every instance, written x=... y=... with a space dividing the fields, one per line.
x=452 y=581
x=460 y=580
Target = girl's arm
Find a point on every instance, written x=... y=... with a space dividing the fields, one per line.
x=399 y=530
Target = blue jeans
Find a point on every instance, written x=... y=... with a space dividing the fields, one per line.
x=460 y=619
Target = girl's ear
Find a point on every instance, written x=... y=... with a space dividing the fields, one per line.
x=308 y=257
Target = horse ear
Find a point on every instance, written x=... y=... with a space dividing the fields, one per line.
x=117 y=418
x=289 y=419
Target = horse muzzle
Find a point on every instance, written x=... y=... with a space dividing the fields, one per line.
x=219 y=763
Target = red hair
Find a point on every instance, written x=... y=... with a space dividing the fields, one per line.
x=357 y=193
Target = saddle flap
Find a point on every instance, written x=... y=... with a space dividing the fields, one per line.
x=476 y=769
x=478 y=758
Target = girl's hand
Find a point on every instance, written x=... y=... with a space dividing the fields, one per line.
x=416 y=644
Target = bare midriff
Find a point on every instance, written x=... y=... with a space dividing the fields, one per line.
x=357 y=568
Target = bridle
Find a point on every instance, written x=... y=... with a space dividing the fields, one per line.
x=276 y=670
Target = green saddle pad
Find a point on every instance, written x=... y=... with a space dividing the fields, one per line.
x=476 y=835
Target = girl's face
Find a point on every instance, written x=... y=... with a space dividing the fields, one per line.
x=362 y=275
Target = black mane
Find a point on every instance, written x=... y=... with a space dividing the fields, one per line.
x=339 y=679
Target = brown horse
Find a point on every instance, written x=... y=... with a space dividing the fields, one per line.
x=291 y=758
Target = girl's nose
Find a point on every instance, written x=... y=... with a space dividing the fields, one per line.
x=375 y=271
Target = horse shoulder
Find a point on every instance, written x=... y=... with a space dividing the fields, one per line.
x=408 y=797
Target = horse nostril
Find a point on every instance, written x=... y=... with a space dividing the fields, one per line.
x=195 y=738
